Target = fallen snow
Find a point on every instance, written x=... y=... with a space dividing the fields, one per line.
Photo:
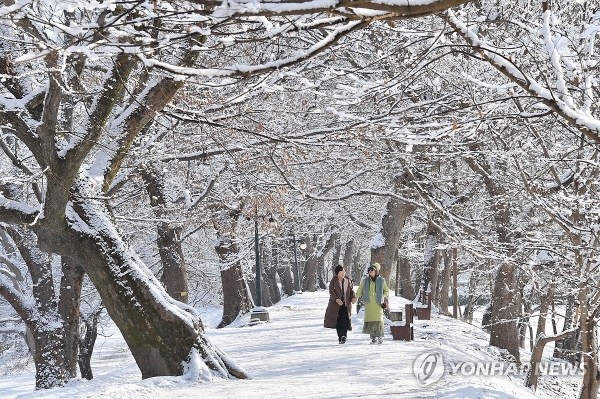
x=293 y=356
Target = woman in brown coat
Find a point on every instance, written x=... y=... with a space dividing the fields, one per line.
x=339 y=308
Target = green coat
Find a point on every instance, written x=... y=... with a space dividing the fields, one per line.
x=373 y=310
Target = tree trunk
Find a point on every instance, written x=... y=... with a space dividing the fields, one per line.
x=87 y=341
x=536 y=355
x=591 y=378
x=310 y=271
x=504 y=332
x=236 y=298
x=337 y=252
x=236 y=301
x=455 y=299
x=69 y=305
x=174 y=275
x=524 y=321
x=443 y=304
x=162 y=333
x=357 y=269
x=45 y=323
x=348 y=255
x=407 y=288
x=174 y=270
x=545 y=302
x=271 y=270
x=566 y=347
x=505 y=298
x=431 y=260
x=287 y=279
x=386 y=241
x=284 y=268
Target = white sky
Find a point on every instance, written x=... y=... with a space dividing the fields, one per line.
x=293 y=356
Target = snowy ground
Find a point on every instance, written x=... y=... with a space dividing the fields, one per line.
x=293 y=356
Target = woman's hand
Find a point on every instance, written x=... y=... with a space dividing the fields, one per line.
x=339 y=302
x=354 y=300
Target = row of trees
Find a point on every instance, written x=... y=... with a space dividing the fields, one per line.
x=142 y=142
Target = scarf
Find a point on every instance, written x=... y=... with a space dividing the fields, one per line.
x=378 y=289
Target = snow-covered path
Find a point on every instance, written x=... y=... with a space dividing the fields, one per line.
x=293 y=356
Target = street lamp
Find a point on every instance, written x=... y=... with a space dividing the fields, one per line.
x=302 y=246
x=258 y=312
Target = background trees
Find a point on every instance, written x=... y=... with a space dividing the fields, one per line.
x=145 y=140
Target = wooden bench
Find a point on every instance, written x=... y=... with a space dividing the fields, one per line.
x=424 y=310
x=403 y=330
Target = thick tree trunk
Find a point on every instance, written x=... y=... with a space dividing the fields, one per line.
x=310 y=271
x=174 y=270
x=236 y=298
x=69 y=305
x=45 y=326
x=161 y=333
x=284 y=267
x=357 y=269
x=407 y=287
x=504 y=332
x=174 y=275
x=387 y=239
x=505 y=296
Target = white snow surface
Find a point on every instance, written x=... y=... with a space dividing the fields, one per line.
x=293 y=356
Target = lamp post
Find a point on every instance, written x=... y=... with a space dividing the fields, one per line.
x=302 y=246
x=258 y=312
x=258 y=271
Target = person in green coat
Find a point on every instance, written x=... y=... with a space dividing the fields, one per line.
x=374 y=292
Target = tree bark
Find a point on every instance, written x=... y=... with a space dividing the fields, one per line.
x=87 y=341
x=504 y=332
x=174 y=274
x=161 y=333
x=566 y=347
x=536 y=355
x=431 y=260
x=443 y=303
x=43 y=322
x=174 y=271
x=407 y=288
x=589 y=347
x=236 y=298
x=387 y=239
x=69 y=306
x=348 y=255
x=310 y=271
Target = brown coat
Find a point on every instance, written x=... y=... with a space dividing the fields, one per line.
x=335 y=292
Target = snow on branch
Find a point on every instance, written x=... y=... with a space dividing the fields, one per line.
x=16 y=212
x=585 y=123
x=239 y=70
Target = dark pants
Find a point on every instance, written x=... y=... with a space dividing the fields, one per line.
x=343 y=322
